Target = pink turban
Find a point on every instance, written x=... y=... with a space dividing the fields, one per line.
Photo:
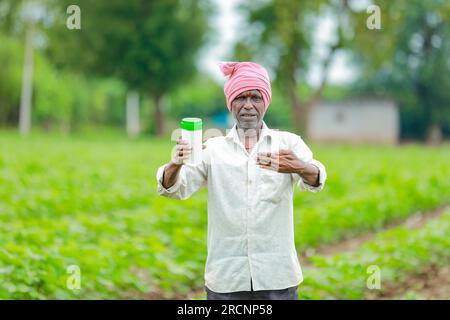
x=245 y=76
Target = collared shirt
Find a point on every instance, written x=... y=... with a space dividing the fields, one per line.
x=250 y=211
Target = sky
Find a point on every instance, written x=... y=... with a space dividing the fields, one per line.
x=227 y=25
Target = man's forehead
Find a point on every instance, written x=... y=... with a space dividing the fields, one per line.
x=250 y=92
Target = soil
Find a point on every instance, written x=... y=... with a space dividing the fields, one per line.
x=432 y=284
x=415 y=221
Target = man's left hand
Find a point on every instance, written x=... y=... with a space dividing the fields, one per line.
x=284 y=161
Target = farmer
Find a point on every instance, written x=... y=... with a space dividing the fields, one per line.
x=250 y=174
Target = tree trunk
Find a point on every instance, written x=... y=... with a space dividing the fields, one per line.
x=132 y=114
x=306 y=110
x=158 y=116
x=300 y=110
x=294 y=101
x=27 y=84
x=434 y=134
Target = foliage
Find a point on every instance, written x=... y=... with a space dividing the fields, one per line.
x=61 y=99
x=91 y=201
x=150 y=45
x=398 y=253
x=202 y=96
x=133 y=40
x=410 y=63
x=11 y=58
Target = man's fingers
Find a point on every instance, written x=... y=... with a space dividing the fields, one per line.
x=182 y=142
x=184 y=150
x=265 y=161
x=265 y=158
x=184 y=153
x=271 y=155
x=265 y=154
x=271 y=167
x=183 y=147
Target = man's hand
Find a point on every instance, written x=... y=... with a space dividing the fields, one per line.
x=172 y=170
x=286 y=161
x=182 y=152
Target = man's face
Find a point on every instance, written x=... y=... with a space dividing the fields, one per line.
x=248 y=109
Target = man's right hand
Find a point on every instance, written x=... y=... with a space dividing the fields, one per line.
x=172 y=170
x=182 y=152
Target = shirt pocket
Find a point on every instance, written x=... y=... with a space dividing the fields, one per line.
x=272 y=185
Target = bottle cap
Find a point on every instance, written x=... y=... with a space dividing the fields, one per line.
x=191 y=124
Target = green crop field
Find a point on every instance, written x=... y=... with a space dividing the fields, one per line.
x=91 y=202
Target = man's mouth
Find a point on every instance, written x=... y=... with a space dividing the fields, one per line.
x=248 y=116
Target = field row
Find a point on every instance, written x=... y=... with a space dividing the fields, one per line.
x=395 y=255
x=94 y=204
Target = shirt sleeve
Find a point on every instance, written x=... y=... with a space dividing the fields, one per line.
x=304 y=153
x=190 y=180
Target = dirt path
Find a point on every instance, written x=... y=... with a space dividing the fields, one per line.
x=415 y=221
x=432 y=284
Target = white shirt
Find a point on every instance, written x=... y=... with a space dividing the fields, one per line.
x=250 y=211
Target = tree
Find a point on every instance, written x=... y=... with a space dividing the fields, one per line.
x=283 y=29
x=408 y=60
x=151 y=45
x=30 y=12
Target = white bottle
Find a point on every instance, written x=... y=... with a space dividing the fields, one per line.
x=191 y=131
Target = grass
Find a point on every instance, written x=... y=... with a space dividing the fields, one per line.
x=91 y=201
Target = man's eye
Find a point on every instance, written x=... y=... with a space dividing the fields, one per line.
x=257 y=99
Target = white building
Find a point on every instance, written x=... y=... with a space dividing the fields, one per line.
x=355 y=121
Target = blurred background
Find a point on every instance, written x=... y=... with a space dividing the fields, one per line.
x=92 y=91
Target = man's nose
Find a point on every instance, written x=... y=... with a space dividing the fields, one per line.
x=248 y=103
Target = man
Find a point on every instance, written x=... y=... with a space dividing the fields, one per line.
x=250 y=175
